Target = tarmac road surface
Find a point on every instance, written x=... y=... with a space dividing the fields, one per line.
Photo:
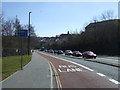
x=72 y=75
x=110 y=71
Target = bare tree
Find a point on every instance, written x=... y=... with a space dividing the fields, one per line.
x=8 y=27
x=107 y=15
x=95 y=19
x=17 y=25
x=1 y=18
x=32 y=30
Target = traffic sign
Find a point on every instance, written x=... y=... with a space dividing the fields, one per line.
x=22 y=33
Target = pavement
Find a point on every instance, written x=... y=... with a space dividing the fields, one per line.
x=36 y=74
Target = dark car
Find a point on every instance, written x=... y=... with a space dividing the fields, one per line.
x=51 y=51
x=89 y=54
x=46 y=50
x=77 y=53
x=60 y=52
x=68 y=52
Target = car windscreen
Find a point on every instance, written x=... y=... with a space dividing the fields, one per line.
x=76 y=52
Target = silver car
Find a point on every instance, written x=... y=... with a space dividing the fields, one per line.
x=68 y=52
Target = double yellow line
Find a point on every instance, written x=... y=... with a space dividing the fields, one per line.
x=56 y=76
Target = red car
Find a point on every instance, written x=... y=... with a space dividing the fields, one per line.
x=77 y=53
x=89 y=54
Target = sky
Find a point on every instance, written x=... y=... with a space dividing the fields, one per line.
x=54 y=18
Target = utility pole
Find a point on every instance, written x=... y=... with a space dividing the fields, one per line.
x=29 y=35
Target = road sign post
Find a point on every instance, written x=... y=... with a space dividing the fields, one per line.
x=21 y=34
x=29 y=35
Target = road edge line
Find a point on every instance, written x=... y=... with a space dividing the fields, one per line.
x=51 y=75
x=114 y=81
x=100 y=74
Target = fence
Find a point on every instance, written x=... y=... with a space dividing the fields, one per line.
x=13 y=52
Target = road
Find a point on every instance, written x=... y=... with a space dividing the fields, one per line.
x=108 y=70
x=102 y=75
x=68 y=72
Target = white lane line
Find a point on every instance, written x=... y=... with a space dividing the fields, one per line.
x=51 y=75
x=59 y=70
x=73 y=63
x=101 y=74
x=114 y=81
x=81 y=66
x=57 y=77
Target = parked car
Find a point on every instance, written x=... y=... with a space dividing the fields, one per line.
x=55 y=51
x=77 y=53
x=51 y=51
x=89 y=54
x=46 y=50
x=68 y=52
x=60 y=52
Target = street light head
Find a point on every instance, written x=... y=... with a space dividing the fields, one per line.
x=30 y=12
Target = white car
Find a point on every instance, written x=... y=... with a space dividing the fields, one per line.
x=68 y=52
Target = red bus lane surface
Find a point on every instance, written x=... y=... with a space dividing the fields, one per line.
x=75 y=76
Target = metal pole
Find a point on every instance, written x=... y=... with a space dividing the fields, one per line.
x=29 y=35
x=21 y=55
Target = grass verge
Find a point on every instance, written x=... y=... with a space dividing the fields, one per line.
x=13 y=64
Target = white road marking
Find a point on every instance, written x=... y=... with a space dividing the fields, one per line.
x=70 y=70
x=59 y=70
x=62 y=66
x=82 y=66
x=101 y=74
x=57 y=77
x=74 y=63
x=114 y=81
x=51 y=75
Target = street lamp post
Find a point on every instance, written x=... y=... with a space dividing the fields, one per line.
x=29 y=35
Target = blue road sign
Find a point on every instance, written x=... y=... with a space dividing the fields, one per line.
x=22 y=33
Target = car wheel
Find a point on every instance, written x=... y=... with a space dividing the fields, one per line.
x=84 y=58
